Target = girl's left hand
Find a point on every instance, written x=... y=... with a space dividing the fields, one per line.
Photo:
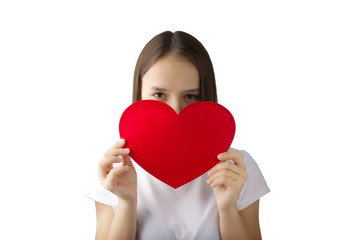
x=227 y=179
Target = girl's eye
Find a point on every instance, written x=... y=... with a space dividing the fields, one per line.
x=191 y=97
x=159 y=95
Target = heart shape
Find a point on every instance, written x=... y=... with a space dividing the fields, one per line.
x=174 y=148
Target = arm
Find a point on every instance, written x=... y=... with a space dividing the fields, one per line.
x=120 y=224
x=227 y=180
x=122 y=182
x=242 y=224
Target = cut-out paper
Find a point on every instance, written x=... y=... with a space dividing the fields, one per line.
x=176 y=149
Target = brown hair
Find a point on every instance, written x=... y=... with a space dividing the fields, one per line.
x=182 y=45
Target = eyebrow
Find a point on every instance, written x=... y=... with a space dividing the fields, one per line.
x=164 y=90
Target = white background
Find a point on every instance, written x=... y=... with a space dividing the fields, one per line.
x=287 y=70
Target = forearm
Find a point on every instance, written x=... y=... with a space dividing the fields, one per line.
x=124 y=222
x=232 y=225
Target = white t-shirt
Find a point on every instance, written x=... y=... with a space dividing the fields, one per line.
x=188 y=212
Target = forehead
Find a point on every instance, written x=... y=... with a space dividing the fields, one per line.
x=173 y=73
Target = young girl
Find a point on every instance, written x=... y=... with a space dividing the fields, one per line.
x=176 y=69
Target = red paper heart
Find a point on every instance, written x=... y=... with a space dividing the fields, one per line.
x=174 y=148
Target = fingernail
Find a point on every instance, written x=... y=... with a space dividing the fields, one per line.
x=121 y=140
x=221 y=156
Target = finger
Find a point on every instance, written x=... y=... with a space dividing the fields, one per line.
x=118 y=152
x=235 y=156
x=109 y=160
x=106 y=165
x=229 y=155
x=114 y=176
x=226 y=173
x=241 y=176
x=117 y=171
x=118 y=144
x=127 y=160
x=222 y=180
x=225 y=165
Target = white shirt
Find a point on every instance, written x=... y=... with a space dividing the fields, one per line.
x=188 y=212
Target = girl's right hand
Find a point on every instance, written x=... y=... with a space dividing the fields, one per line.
x=120 y=180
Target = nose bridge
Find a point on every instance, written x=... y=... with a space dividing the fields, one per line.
x=176 y=104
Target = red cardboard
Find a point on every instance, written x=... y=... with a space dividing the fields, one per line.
x=174 y=148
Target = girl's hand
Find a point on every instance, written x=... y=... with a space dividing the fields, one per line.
x=227 y=179
x=120 y=180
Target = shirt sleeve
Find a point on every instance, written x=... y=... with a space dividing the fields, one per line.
x=255 y=187
x=97 y=192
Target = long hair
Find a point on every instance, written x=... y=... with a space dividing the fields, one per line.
x=182 y=45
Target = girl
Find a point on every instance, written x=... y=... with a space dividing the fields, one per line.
x=176 y=69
